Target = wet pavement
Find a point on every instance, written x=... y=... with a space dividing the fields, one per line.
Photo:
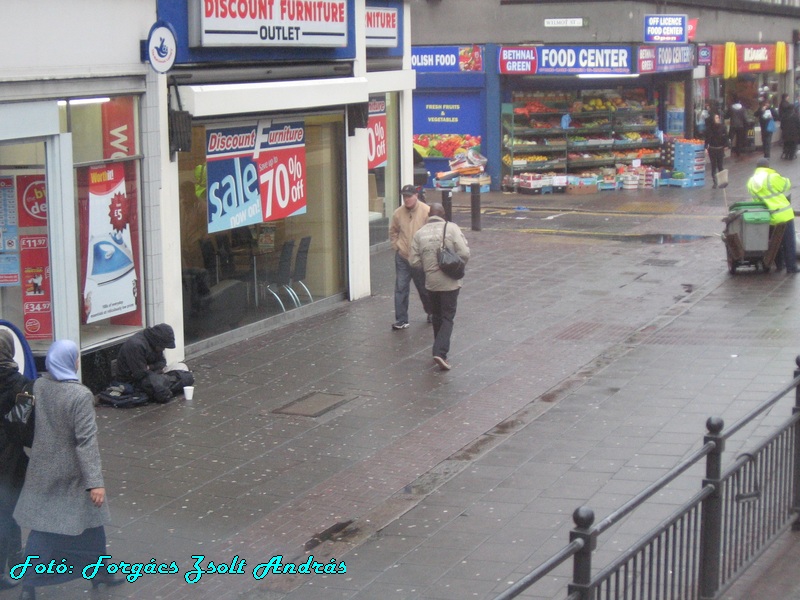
x=585 y=364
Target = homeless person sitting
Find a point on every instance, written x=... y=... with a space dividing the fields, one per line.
x=141 y=363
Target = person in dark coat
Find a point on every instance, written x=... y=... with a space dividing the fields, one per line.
x=63 y=500
x=738 y=129
x=141 y=363
x=13 y=460
x=790 y=132
x=766 y=120
x=716 y=142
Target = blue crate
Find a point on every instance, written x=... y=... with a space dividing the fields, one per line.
x=687 y=183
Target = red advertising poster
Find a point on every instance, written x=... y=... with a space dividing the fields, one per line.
x=376 y=130
x=36 y=287
x=281 y=159
x=118 y=127
x=717 y=66
x=109 y=258
x=31 y=201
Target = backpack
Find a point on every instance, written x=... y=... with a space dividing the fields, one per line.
x=121 y=395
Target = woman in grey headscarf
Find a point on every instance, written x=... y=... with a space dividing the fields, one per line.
x=63 y=499
x=13 y=460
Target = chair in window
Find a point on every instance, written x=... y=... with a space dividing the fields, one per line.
x=300 y=262
x=280 y=278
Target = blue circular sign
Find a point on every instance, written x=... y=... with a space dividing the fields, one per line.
x=162 y=46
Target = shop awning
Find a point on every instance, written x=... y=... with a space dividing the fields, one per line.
x=242 y=98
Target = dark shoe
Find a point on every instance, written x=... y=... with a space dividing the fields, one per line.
x=443 y=364
x=400 y=325
x=430 y=318
x=107 y=578
x=713 y=187
x=28 y=593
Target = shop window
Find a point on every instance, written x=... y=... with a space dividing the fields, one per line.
x=105 y=146
x=260 y=235
x=384 y=164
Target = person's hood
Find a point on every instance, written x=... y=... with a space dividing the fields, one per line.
x=160 y=336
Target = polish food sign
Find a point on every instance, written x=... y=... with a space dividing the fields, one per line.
x=256 y=173
x=217 y=23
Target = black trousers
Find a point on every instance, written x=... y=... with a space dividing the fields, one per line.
x=443 y=305
x=716 y=157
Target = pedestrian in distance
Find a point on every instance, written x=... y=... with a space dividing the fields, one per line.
x=407 y=219
x=790 y=132
x=770 y=188
x=443 y=289
x=13 y=460
x=766 y=120
x=738 y=126
x=141 y=363
x=63 y=500
x=716 y=142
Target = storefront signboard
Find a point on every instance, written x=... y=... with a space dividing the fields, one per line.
x=662 y=59
x=565 y=60
x=256 y=173
x=704 y=55
x=221 y=23
x=376 y=131
x=755 y=58
x=36 y=287
x=109 y=261
x=382 y=27
x=447 y=59
x=666 y=29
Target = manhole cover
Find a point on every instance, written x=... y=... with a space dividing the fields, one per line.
x=313 y=404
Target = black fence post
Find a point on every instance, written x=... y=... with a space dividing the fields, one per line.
x=711 y=513
x=475 y=188
x=583 y=517
x=796 y=474
x=447 y=203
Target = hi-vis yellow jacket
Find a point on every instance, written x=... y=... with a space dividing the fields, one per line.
x=768 y=186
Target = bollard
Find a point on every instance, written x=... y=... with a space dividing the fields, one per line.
x=476 y=206
x=447 y=203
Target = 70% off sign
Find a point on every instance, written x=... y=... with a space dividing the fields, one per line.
x=282 y=181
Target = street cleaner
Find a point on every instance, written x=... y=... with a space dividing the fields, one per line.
x=771 y=189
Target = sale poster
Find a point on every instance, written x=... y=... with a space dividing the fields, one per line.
x=256 y=173
x=118 y=127
x=36 y=287
x=32 y=200
x=376 y=131
x=110 y=283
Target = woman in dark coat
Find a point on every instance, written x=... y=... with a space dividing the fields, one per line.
x=63 y=499
x=13 y=460
x=790 y=132
x=716 y=142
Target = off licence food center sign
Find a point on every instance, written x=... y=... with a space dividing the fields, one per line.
x=256 y=173
x=269 y=23
x=666 y=29
x=565 y=60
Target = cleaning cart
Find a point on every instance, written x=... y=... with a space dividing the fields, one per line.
x=748 y=239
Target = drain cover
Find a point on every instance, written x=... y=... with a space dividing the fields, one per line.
x=314 y=404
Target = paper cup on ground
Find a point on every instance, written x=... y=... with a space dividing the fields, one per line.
x=188 y=392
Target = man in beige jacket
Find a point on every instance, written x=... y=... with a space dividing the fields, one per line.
x=406 y=221
x=443 y=290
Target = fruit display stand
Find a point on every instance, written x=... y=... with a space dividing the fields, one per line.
x=562 y=133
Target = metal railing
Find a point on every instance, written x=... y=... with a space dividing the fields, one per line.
x=699 y=550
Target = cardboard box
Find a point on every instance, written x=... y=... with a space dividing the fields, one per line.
x=580 y=190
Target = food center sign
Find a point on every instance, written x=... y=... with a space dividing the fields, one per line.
x=666 y=29
x=565 y=60
x=261 y=23
x=661 y=59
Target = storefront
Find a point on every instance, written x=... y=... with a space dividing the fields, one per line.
x=574 y=109
x=292 y=167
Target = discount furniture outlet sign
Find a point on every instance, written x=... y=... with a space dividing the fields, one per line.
x=215 y=23
x=256 y=173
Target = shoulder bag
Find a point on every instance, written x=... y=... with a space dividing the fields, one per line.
x=22 y=416
x=450 y=263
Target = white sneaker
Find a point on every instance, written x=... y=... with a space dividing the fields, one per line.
x=443 y=364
